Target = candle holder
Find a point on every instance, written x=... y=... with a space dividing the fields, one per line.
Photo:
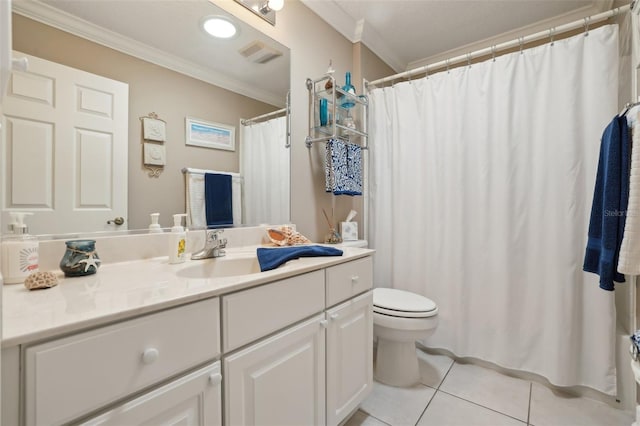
x=80 y=258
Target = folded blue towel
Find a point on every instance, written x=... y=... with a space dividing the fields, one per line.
x=609 y=209
x=217 y=198
x=271 y=258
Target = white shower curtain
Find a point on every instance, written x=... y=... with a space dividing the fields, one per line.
x=265 y=168
x=480 y=193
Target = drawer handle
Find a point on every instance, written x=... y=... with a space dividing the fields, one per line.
x=149 y=356
x=324 y=323
x=354 y=279
x=215 y=379
x=334 y=316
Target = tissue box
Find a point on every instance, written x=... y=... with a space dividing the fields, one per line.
x=349 y=231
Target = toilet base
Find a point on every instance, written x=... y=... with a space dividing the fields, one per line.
x=397 y=363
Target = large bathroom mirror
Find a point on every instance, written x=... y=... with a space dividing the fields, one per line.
x=175 y=72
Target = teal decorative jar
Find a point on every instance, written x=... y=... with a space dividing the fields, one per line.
x=80 y=258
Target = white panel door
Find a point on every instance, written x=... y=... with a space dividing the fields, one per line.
x=64 y=148
x=279 y=381
x=349 y=356
x=192 y=400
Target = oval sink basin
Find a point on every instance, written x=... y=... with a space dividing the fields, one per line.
x=220 y=267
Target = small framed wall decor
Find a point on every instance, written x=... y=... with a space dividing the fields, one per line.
x=208 y=134
x=154 y=153
x=153 y=129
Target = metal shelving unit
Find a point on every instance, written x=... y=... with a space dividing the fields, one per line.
x=346 y=114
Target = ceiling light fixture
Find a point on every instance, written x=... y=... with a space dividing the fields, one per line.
x=266 y=9
x=219 y=26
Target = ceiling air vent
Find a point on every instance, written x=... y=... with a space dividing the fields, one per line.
x=259 y=53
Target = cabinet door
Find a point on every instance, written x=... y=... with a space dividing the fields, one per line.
x=192 y=400
x=279 y=381
x=349 y=356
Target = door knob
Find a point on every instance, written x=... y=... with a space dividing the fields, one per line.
x=117 y=221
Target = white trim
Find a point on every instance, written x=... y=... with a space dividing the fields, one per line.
x=355 y=31
x=66 y=22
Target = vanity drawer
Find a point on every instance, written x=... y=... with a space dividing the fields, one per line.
x=349 y=279
x=69 y=377
x=251 y=314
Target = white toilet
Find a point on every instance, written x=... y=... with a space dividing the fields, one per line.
x=399 y=319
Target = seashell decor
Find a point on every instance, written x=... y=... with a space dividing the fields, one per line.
x=39 y=280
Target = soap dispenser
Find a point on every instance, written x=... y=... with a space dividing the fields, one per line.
x=19 y=251
x=154 y=226
x=177 y=240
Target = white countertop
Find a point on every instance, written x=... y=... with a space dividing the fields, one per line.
x=122 y=290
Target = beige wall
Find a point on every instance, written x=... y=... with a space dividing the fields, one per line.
x=313 y=43
x=171 y=95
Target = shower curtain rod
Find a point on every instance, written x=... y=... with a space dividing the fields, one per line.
x=520 y=41
x=255 y=119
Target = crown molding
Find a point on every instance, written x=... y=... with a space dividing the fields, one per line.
x=355 y=30
x=48 y=15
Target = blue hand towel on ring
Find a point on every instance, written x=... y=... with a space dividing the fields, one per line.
x=271 y=258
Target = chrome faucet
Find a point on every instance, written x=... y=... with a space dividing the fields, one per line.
x=213 y=245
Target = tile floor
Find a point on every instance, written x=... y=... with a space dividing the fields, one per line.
x=455 y=394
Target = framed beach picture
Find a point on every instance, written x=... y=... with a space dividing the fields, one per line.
x=208 y=134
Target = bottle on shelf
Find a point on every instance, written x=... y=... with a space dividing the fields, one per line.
x=348 y=88
x=329 y=84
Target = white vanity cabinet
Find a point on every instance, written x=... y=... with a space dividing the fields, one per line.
x=194 y=399
x=349 y=356
x=279 y=381
x=67 y=378
x=318 y=370
x=293 y=351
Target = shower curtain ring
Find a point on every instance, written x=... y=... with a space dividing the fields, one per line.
x=552 y=33
x=447 y=62
x=469 y=59
x=493 y=53
x=521 y=42
x=586 y=26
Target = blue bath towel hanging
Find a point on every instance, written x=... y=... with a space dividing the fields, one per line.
x=218 y=199
x=609 y=209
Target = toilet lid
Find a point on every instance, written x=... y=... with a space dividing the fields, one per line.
x=400 y=303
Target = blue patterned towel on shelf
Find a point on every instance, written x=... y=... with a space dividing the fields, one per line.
x=635 y=345
x=271 y=258
x=343 y=168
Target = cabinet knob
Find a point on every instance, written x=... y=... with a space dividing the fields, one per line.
x=215 y=379
x=354 y=279
x=324 y=323
x=334 y=316
x=150 y=355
